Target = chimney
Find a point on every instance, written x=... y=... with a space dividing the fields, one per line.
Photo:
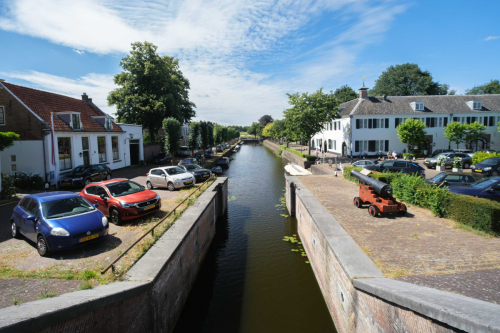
x=85 y=98
x=90 y=101
x=385 y=98
x=363 y=92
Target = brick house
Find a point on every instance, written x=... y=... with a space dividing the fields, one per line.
x=83 y=134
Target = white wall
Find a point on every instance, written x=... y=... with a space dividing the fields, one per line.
x=29 y=157
x=136 y=130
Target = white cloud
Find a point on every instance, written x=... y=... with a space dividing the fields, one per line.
x=491 y=38
x=216 y=42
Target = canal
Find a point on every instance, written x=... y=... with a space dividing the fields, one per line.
x=251 y=280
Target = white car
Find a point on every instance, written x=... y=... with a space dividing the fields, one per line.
x=170 y=177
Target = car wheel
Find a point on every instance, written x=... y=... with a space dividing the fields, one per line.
x=373 y=210
x=108 y=176
x=42 y=247
x=170 y=186
x=494 y=173
x=15 y=230
x=466 y=165
x=114 y=214
x=149 y=186
x=87 y=181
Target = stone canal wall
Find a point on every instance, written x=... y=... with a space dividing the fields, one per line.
x=287 y=155
x=154 y=291
x=359 y=298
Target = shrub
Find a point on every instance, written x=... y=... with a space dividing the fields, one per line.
x=310 y=158
x=347 y=173
x=8 y=188
x=441 y=160
x=386 y=177
x=434 y=198
x=279 y=151
x=457 y=162
x=482 y=155
x=409 y=156
x=482 y=214
x=298 y=153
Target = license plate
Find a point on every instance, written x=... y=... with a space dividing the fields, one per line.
x=189 y=182
x=67 y=184
x=84 y=239
x=205 y=175
x=426 y=162
x=149 y=207
x=479 y=170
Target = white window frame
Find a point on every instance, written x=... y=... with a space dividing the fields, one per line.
x=117 y=147
x=477 y=105
x=419 y=106
x=365 y=122
x=13 y=158
x=79 y=121
x=105 y=150
x=108 y=124
x=3 y=113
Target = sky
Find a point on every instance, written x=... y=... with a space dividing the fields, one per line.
x=242 y=57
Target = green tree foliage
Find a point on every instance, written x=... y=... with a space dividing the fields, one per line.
x=218 y=139
x=194 y=134
x=455 y=132
x=172 y=128
x=266 y=132
x=7 y=139
x=232 y=133
x=309 y=113
x=225 y=137
x=407 y=80
x=345 y=94
x=151 y=88
x=473 y=132
x=411 y=132
x=210 y=133
x=492 y=87
x=265 y=119
x=204 y=141
x=255 y=129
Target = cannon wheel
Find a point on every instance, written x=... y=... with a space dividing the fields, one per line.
x=403 y=209
x=357 y=202
x=373 y=210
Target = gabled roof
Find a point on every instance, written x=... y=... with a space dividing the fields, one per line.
x=438 y=104
x=42 y=103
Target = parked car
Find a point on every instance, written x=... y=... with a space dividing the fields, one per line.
x=223 y=162
x=85 y=174
x=488 y=167
x=190 y=160
x=200 y=157
x=365 y=162
x=450 y=157
x=58 y=221
x=209 y=152
x=440 y=151
x=448 y=178
x=197 y=171
x=161 y=159
x=487 y=188
x=217 y=170
x=219 y=148
x=397 y=166
x=170 y=177
x=183 y=151
x=122 y=199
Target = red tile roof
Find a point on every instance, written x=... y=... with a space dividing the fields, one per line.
x=43 y=103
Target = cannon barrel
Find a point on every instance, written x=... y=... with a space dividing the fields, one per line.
x=381 y=188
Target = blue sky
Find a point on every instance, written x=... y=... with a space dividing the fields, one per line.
x=243 y=56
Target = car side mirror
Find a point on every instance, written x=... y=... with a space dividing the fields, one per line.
x=96 y=205
x=490 y=190
x=31 y=217
x=103 y=197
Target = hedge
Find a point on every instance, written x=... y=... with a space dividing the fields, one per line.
x=481 y=156
x=299 y=153
x=347 y=173
x=481 y=214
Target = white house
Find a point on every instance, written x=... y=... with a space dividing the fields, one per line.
x=367 y=125
x=82 y=134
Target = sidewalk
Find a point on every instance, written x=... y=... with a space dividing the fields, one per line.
x=418 y=248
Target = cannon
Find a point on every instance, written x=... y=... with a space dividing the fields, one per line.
x=378 y=194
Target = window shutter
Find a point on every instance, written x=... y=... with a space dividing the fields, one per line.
x=492 y=121
x=356 y=146
x=468 y=120
x=445 y=121
x=433 y=122
x=386 y=122
x=386 y=145
x=357 y=125
x=428 y=122
x=370 y=123
x=371 y=146
x=485 y=121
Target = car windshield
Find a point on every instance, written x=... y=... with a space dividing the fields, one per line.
x=124 y=188
x=484 y=183
x=437 y=177
x=65 y=207
x=175 y=171
x=193 y=167
x=489 y=161
x=80 y=169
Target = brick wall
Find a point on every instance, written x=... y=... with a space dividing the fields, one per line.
x=18 y=119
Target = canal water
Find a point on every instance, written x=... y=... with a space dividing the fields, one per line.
x=250 y=280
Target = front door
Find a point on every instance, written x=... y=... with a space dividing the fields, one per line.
x=85 y=150
x=134 y=152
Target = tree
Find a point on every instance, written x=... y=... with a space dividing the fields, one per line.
x=411 y=132
x=7 y=139
x=210 y=134
x=266 y=132
x=204 y=141
x=452 y=92
x=152 y=88
x=345 y=94
x=407 y=80
x=455 y=132
x=493 y=87
x=309 y=113
x=265 y=119
x=194 y=134
x=172 y=128
x=255 y=129
x=473 y=132
x=217 y=133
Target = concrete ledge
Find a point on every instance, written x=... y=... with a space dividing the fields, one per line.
x=468 y=314
x=37 y=315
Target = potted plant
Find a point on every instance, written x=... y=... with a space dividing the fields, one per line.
x=457 y=165
x=440 y=163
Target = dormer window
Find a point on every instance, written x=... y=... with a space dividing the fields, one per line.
x=75 y=121
x=419 y=106
x=109 y=124
x=478 y=105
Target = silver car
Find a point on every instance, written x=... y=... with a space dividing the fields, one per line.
x=170 y=177
x=450 y=157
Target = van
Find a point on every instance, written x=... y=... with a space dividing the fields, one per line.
x=183 y=151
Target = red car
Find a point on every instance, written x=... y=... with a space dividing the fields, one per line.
x=121 y=199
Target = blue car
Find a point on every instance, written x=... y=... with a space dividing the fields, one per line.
x=487 y=188
x=58 y=221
